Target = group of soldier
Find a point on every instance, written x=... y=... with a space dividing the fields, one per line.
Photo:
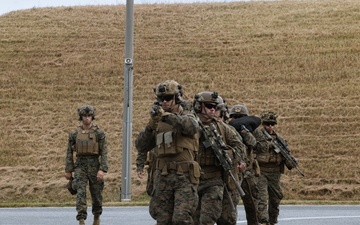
x=202 y=159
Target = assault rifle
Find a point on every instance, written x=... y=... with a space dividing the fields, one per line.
x=214 y=141
x=281 y=147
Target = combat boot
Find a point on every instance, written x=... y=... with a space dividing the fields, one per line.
x=81 y=222
x=96 y=220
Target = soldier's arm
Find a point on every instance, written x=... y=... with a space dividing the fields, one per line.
x=140 y=160
x=145 y=141
x=234 y=140
x=187 y=124
x=262 y=145
x=248 y=138
x=103 y=150
x=69 y=158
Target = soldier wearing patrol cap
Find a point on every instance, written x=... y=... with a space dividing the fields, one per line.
x=88 y=143
x=272 y=165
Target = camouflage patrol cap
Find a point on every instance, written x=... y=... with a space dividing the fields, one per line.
x=240 y=110
x=267 y=117
x=86 y=109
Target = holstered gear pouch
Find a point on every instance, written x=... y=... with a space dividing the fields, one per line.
x=256 y=168
x=150 y=181
x=229 y=181
x=166 y=144
x=194 y=173
x=151 y=162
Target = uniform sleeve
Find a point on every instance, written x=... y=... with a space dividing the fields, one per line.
x=103 y=151
x=233 y=139
x=69 y=159
x=140 y=160
x=187 y=124
x=262 y=145
x=248 y=138
x=144 y=143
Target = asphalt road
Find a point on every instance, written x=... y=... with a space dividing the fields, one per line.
x=289 y=215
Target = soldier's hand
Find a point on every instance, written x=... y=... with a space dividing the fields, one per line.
x=140 y=174
x=68 y=175
x=242 y=167
x=100 y=175
x=156 y=112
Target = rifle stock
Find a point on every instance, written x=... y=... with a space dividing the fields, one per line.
x=281 y=147
x=214 y=141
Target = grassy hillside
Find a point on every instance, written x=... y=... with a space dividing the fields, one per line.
x=298 y=58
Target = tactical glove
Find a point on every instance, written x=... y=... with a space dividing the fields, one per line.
x=155 y=116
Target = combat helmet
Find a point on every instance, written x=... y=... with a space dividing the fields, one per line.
x=206 y=97
x=86 y=110
x=238 y=111
x=168 y=88
x=269 y=117
x=223 y=107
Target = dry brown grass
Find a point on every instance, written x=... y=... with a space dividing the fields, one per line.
x=298 y=58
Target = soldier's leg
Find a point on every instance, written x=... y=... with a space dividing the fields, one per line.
x=79 y=184
x=249 y=202
x=275 y=196
x=164 y=198
x=153 y=207
x=211 y=204
x=229 y=213
x=96 y=188
x=262 y=184
x=186 y=201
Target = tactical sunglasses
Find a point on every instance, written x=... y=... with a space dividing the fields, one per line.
x=166 y=98
x=269 y=123
x=210 y=106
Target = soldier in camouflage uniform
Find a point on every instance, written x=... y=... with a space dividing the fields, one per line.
x=173 y=134
x=271 y=167
x=213 y=181
x=89 y=144
x=231 y=198
x=245 y=125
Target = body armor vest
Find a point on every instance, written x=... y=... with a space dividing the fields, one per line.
x=86 y=143
x=171 y=143
x=207 y=157
x=269 y=156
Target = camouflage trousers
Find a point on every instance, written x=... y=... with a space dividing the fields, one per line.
x=270 y=195
x=251 y=198
x=229 y=213
x=86 y=169
x=211 y=193
x=174 y=199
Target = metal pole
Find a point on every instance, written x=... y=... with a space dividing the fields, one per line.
x=127 y=113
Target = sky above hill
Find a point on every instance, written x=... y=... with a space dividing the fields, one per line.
x=13 y=5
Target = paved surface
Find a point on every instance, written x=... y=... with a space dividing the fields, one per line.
x=289 y=215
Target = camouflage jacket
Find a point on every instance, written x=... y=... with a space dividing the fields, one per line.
x=103 y=150
x=183 y=121
x=231 y=138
